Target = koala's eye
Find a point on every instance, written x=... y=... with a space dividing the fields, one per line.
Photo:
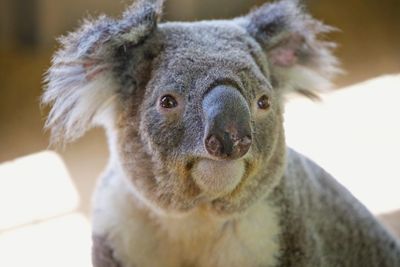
x=264 y=102
x=168 y=101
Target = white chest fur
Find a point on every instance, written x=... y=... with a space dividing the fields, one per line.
x=141 y=238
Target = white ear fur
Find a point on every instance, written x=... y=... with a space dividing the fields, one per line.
x=81 y=83
x=299 y=59
x=305 y=81
x=74 y=109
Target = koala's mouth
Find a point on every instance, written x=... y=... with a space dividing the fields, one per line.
x=218 y=178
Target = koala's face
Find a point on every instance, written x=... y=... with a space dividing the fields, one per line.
x=194 y=109
x=209 y=120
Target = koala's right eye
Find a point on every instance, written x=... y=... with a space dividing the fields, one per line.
x=168 y=101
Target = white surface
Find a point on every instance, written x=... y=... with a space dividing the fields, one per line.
x=35 y=187
x=61 y=242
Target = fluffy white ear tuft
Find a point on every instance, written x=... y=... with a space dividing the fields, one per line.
x=81 y=82
x=299 y=59
x=75 y=108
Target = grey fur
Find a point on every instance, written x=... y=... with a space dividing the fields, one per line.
x=115 y=71
x=320 y=217
x=102 y=253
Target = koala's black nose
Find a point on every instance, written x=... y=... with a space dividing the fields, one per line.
x=227 y=123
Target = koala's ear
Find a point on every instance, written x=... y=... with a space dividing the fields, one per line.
x=81 y=81
x=299 y=60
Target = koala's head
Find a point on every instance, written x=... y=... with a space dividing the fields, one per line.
x=193 y=110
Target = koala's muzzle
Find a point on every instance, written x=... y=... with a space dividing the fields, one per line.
x=227 y=123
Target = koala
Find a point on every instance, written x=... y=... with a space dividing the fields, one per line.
x=199 y=174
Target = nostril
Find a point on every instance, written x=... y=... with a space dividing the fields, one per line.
x=213 y=145
x=245 y=141
x=243 y=145
x=227 y=149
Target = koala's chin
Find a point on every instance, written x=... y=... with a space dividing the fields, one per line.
x=217 y=178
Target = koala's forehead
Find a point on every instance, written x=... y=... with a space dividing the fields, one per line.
x=202 y=33
x=206 y=39
x=221 y=49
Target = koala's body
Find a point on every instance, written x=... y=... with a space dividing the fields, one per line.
x=199 y=173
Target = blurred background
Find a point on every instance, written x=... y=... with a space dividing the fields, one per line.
x=45 y=196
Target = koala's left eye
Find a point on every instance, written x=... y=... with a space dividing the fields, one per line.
x=168 y=101
x=264 y=102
